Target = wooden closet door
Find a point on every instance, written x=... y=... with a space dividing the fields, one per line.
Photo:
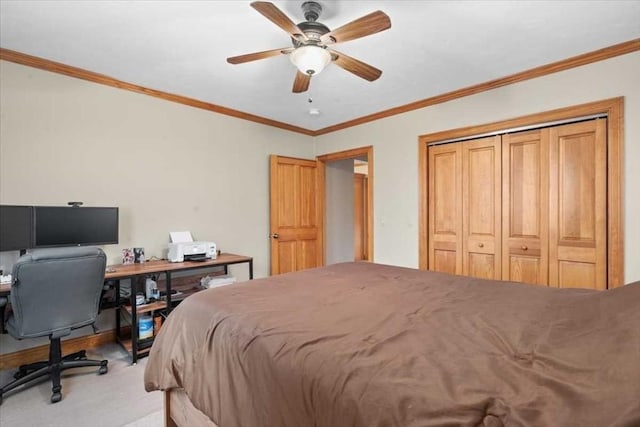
x=578 y=205
x=481 y=207
x=445 y=208
x=525 y=207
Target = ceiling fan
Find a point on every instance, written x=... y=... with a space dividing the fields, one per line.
x=311 y=40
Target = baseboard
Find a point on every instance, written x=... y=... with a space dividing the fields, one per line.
x=35 y=354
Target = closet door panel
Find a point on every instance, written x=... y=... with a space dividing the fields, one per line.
x=577 y=275
x=482 y=265
x=444 y=260
x=445 y=208
x=525 y=186
x=524 y=269
x=577 y=211
x=481 y=207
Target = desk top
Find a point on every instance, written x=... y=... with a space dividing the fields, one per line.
x=119 y=271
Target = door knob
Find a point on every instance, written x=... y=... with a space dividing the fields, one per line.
x=275 y=235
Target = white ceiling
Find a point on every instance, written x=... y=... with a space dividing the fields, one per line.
x=433 y=47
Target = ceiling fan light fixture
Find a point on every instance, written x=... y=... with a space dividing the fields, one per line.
x=310 y=59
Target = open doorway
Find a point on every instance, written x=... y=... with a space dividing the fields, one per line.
x=347 y=204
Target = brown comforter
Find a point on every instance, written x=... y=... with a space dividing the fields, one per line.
x=368 y=345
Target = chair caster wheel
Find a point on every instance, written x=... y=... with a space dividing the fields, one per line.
x=56 y=397
x=103 y=370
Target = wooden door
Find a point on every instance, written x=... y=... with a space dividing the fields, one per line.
x=360 y=216
x=578 y=205
x=481 y=207
x=445 y=208
x=525 y=185
x=296 y=226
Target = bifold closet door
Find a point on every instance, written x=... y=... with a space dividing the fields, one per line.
x=525 y=206
x=445 y=208
x=578 y=205
x=481 y=208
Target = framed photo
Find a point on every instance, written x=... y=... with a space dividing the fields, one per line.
x=138 y=255
x=127 y=256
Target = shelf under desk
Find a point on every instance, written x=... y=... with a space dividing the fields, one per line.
x=134 y=271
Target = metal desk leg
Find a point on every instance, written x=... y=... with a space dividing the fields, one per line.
x=118 y=308
x=251 y=269
x=134 y=321
x=168 y=275
x=2 y=312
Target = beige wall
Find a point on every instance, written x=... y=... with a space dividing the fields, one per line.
x=171 y=167
x=396 y=147
x=168 y=167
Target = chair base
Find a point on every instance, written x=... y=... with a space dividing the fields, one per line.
x=52 y=368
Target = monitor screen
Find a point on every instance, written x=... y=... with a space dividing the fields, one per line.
x=16 y=227
x=74 y=226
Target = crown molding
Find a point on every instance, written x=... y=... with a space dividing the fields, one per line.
x=68 y=70
x=554 y=67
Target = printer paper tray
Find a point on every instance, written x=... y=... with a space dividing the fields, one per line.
x=199 y=258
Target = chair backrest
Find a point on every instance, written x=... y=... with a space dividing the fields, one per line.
x=56 y=290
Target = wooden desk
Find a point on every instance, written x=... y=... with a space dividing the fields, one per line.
x=120 y=271
x=133 y=271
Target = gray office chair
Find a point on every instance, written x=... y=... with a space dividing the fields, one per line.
x=53 y=292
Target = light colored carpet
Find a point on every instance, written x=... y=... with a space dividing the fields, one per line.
x=154 y=419
x=117 y=398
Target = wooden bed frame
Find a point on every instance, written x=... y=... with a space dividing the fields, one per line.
x=180 y=412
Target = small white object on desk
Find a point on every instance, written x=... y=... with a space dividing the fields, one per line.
x=5 y=279
x=209 y=282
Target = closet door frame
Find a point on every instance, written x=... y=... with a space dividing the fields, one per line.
x=613 y=108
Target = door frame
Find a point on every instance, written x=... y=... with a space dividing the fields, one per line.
x=344 y=155
x=613 y=108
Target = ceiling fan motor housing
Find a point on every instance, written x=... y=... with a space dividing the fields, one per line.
x=311 y=27
x=311 y=10
x=313 y=31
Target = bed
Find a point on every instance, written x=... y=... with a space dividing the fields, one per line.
x=367 y=345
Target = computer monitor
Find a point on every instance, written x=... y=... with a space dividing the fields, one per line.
x=74 y=226
x=16 y=227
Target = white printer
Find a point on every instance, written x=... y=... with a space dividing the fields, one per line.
x=183 y=248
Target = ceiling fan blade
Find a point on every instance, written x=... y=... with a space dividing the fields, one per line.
x=301 y=82
x=258 y=55
x=369 y=24
x=352 y=65
x=275 y=15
